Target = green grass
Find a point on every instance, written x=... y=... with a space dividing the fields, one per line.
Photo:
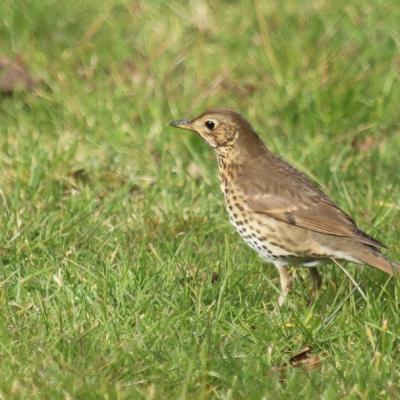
x=113 y=223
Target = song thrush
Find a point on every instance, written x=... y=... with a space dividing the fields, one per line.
x=277 y=210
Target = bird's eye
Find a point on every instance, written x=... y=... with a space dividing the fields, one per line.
x=209 y=124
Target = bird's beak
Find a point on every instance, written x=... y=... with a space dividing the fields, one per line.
x=181 y=123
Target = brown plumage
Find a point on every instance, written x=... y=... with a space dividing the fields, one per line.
x=276 y=209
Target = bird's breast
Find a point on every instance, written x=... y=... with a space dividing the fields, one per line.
x=273 y=240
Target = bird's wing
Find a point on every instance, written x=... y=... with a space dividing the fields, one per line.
x=284 y=193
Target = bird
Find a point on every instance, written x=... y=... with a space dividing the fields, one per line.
x=278 y=211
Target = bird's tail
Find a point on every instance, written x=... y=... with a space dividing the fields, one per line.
x=375 y=259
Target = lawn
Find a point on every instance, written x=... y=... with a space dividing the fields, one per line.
x=120 y=275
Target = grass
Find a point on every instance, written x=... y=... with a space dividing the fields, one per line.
x=113 y=225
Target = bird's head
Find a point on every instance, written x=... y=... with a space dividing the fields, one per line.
x=220 y=128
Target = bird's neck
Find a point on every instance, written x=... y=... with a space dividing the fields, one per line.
x=246 y=151
x=247 y=147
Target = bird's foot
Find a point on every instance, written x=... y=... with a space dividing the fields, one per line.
x=286 y=283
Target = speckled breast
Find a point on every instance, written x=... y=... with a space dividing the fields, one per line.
x=258 y=231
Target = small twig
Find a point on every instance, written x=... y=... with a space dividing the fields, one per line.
x=329 y=319
x=357 y=286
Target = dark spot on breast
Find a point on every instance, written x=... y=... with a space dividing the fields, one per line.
x=239 y=207
x=266 y=249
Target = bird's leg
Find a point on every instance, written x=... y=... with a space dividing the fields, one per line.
x=286 y=282
x=316 y=281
